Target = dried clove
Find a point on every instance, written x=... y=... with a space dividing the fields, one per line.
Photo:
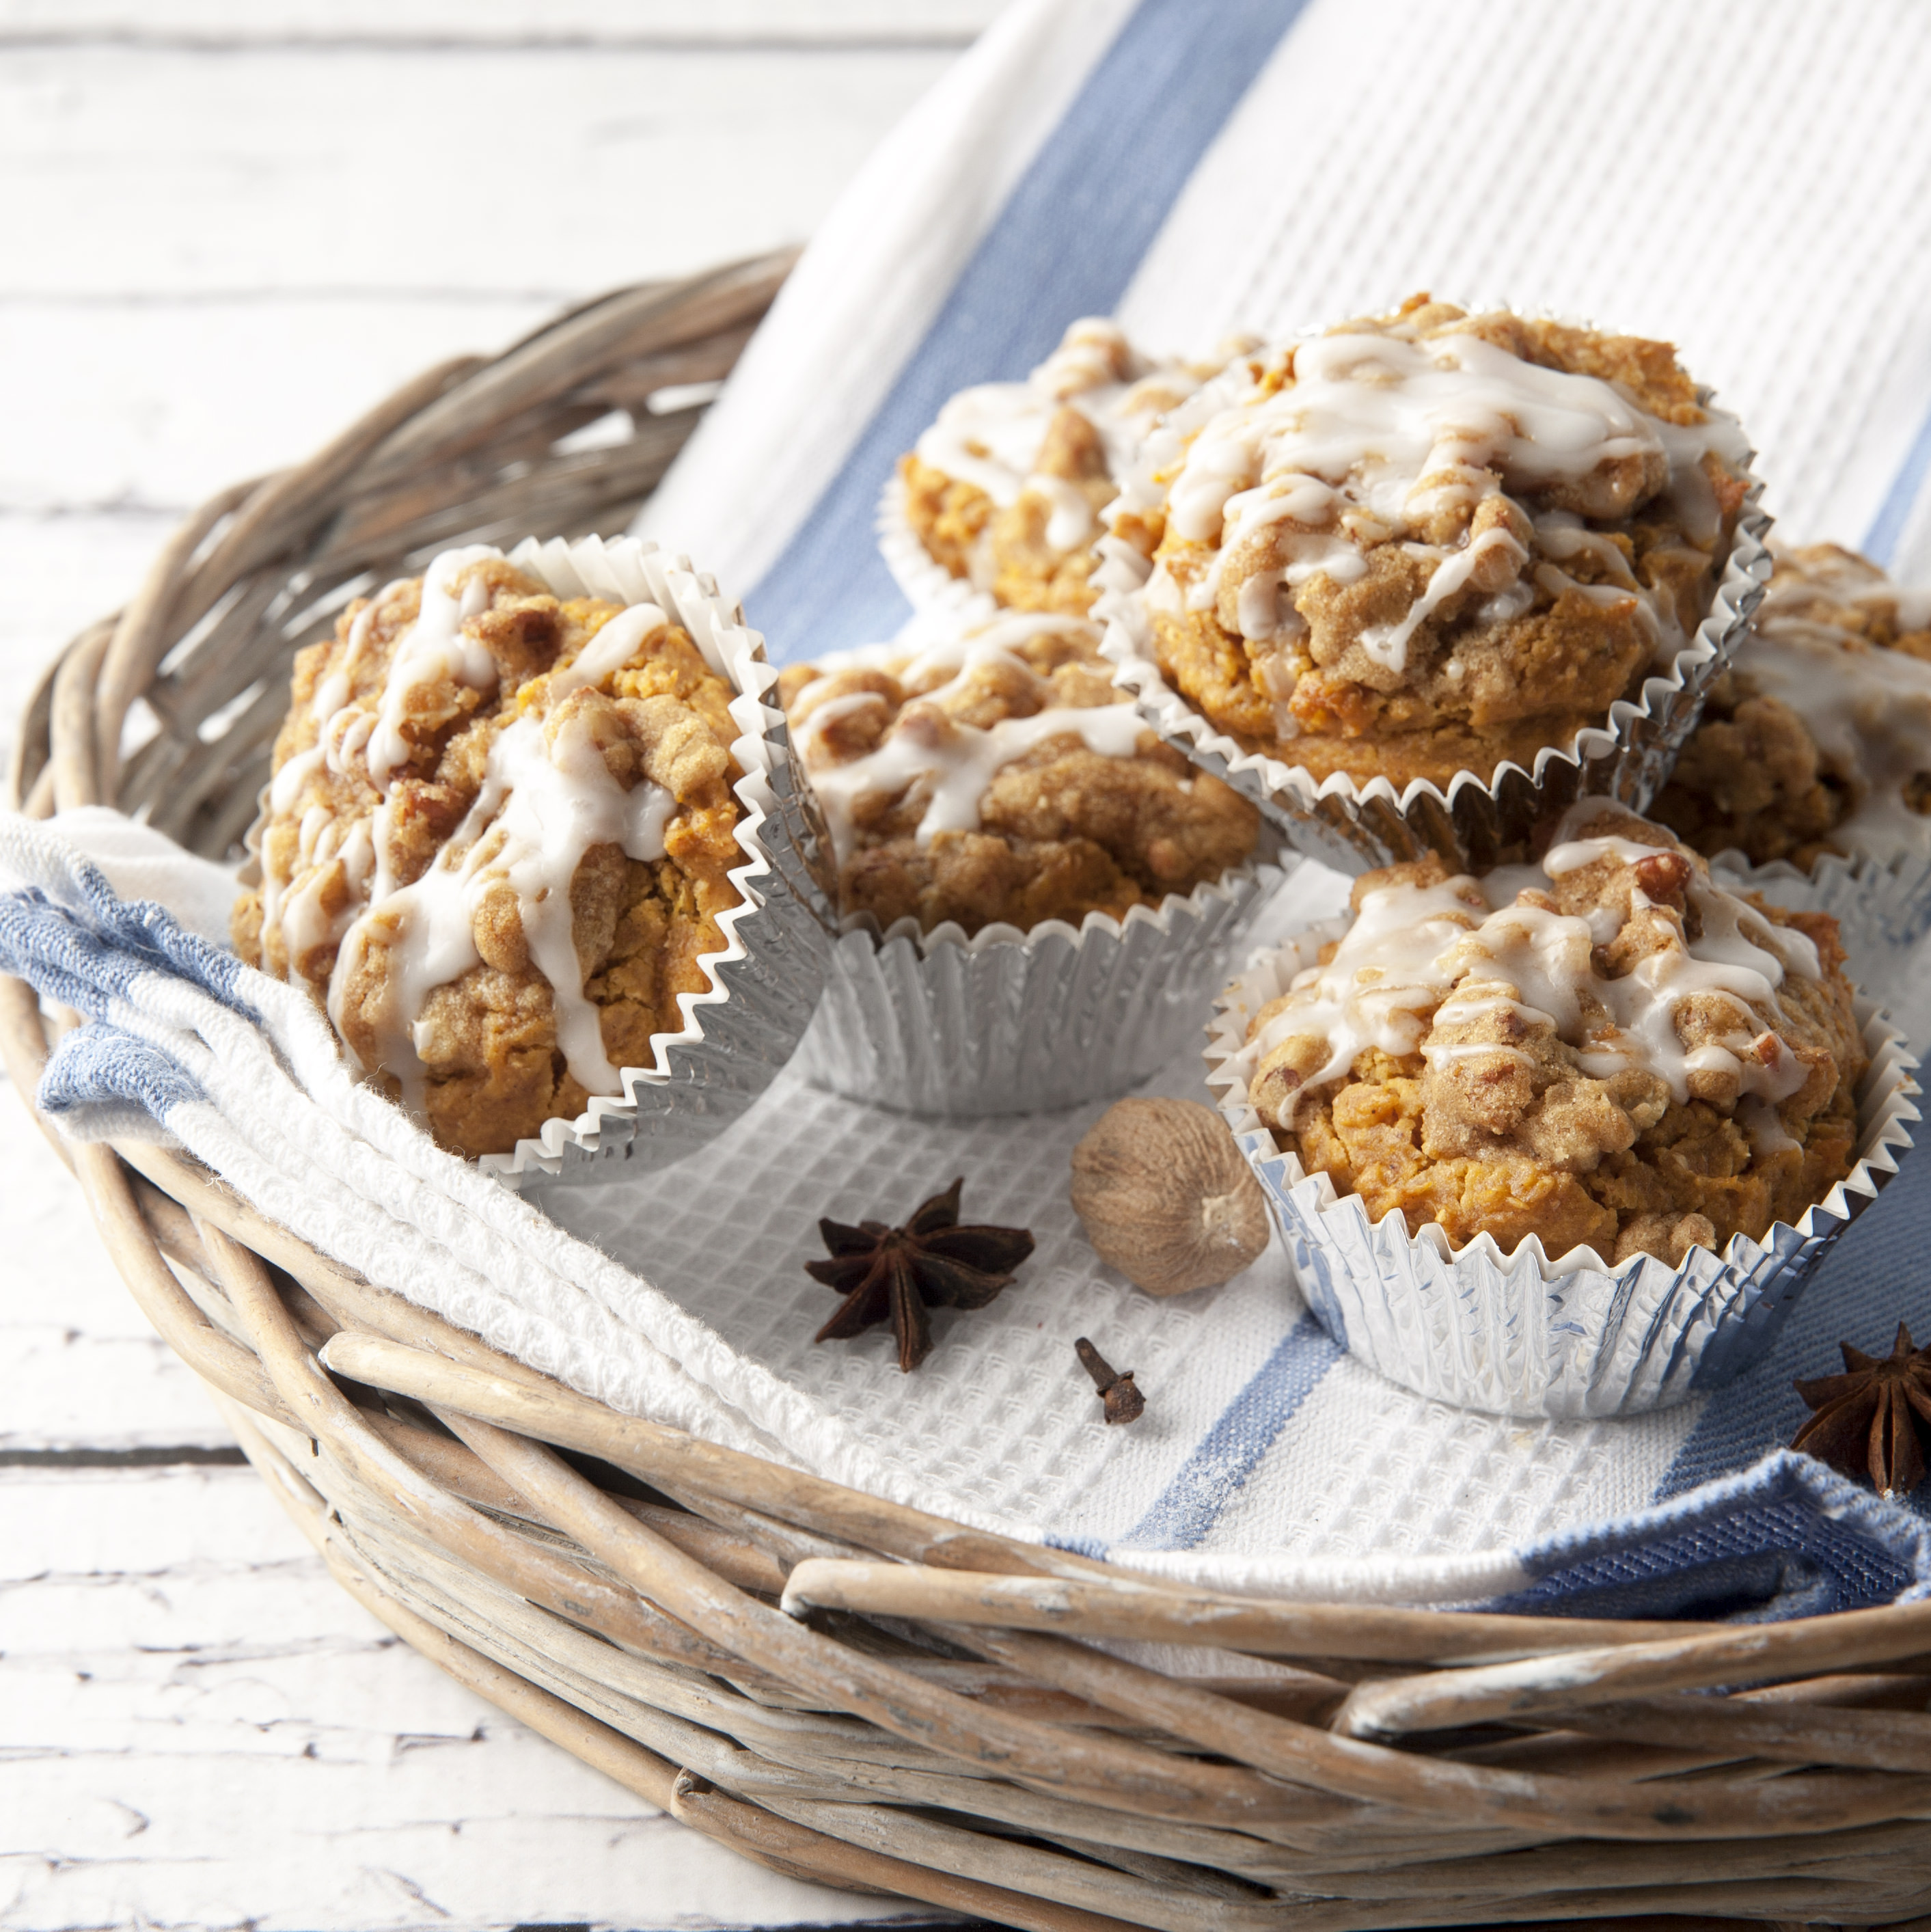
x=1123 y=1401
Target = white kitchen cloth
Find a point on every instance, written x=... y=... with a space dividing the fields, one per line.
x=1266 y=1459
x=1750 y=178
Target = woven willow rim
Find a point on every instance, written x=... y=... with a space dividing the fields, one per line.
x=838 y=1687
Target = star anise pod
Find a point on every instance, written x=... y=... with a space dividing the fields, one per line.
x=1875 y=1417
x=895 y=1274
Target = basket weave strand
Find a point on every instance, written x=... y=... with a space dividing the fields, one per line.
x=838 y=1687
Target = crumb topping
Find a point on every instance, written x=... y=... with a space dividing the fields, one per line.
x=1005 y=488
x=499 y=834
x=1818 y=737
x=1606 y=1050
x=994 y=775
x=1425 y=542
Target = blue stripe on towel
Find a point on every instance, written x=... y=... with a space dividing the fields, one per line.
x=101 y=1065
x=1186 y=1511
x=86 y=960
x=1788 y=1538
x=1066 y=245
x=1880 y=543
x=41 y=943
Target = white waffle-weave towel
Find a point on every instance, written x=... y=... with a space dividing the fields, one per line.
x=1747 y=179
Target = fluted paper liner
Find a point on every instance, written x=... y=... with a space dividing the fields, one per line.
x=1479 y=820
x=1007 y=1022
x=1526 y=1334
x=739 y=1032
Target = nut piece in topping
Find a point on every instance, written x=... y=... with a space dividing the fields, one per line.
x=1167 y=1197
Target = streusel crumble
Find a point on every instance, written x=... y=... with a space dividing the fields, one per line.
x=1606 y=1050
x=1818 y=737
x=1426 y=543
x=1005 y=487
x=498 y=836
x=994 y=775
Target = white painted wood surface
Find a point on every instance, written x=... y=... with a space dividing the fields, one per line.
x=231 y=225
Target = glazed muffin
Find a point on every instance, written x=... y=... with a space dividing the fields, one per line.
x=497 y=842
x=1818 y=737
x=994 y=776
x=1004 y=490
x=1606 y=1051
x=1426 y=543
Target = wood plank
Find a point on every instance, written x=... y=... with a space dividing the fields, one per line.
x=197 y=1726
x=233 y=225
x=80 y=1369
x=225 y=24
x=528 y=172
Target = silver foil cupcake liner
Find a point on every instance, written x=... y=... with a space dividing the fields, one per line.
x=1525 y=1334
x=1477 y=822
x=1007 y=1022
x=927 y=584
x=1883 y=911
x=763 y=984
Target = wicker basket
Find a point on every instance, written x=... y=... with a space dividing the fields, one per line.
x=929 y=1720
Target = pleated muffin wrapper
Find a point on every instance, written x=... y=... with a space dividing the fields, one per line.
x=1478 y=820
x=929 y=585
x=1012 y=1022
x=1883 y=910
x=1525 y=1334
x=763 y=984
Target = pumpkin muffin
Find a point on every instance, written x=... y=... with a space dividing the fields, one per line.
x=1606 y=1051
x=994 y=776
x=496 y=843
x=1429 y=542
x=1005 y=488
x=1817 y=739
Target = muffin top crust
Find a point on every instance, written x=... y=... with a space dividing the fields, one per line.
x=1606 y=1050
x=1427 y=542
x=1005 y=488
x=993 y=775
x=1817 y=738
x=497 y=840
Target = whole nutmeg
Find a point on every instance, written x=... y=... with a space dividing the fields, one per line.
x=1167 y=1196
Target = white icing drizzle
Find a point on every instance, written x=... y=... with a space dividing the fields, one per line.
x=1811 y=581
x=436 y=647
x=1418 y=957
x=1376 y=434
x=950 y=764
x=342 y=731
x=1868 y=709
x=547 y=797
x=1388 y=644
x=990 y=435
